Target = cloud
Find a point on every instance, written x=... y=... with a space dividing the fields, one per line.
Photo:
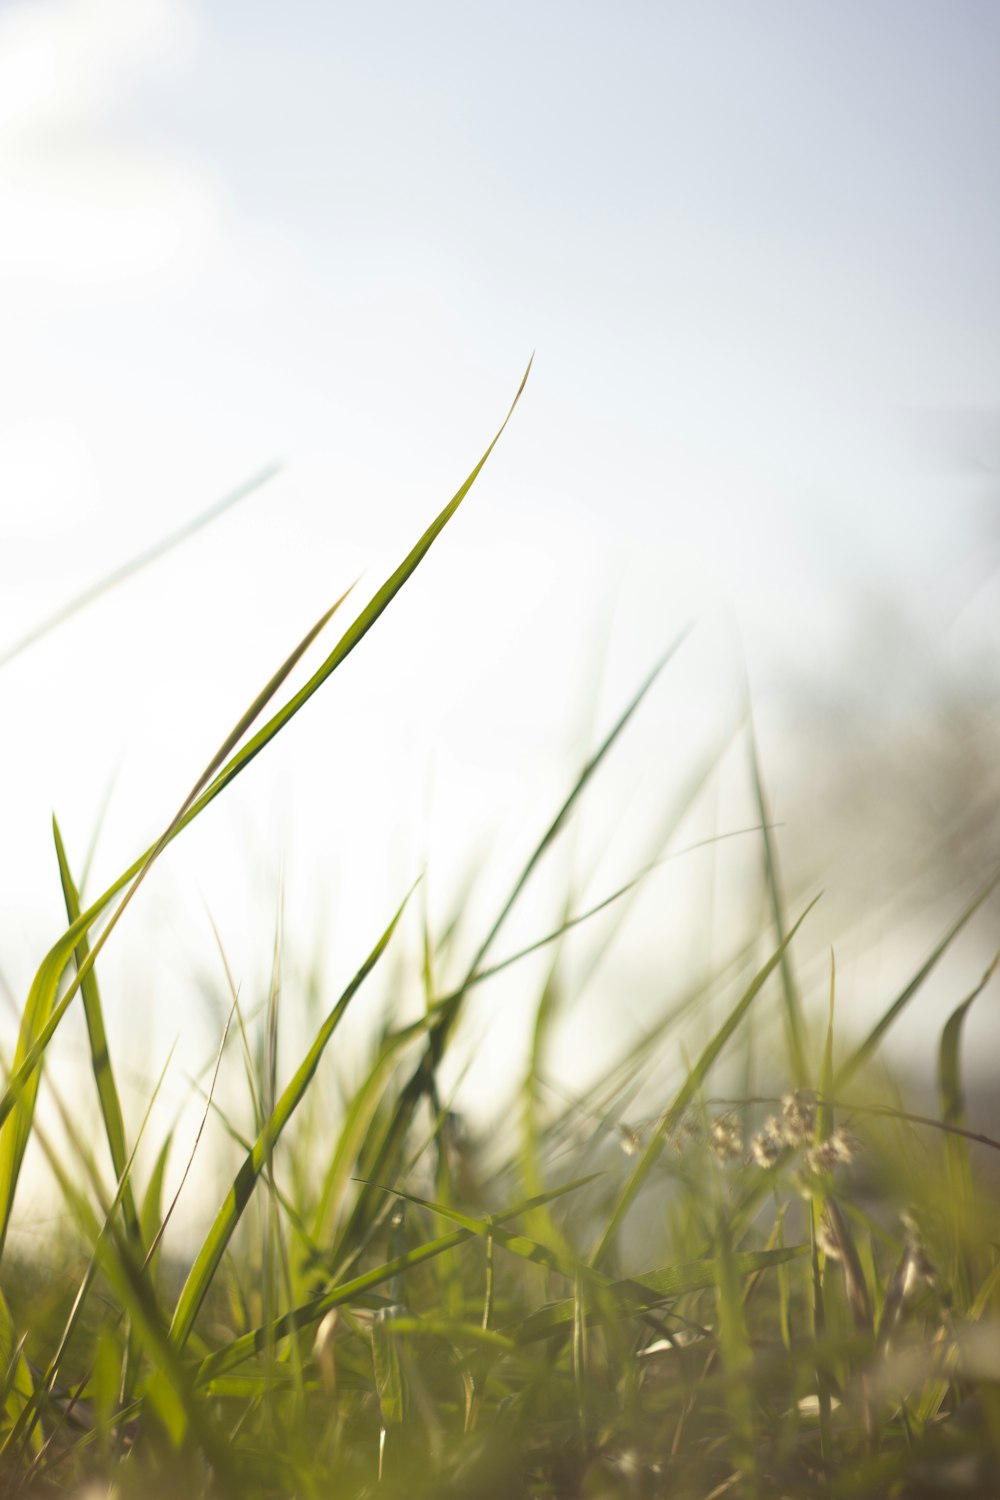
x=82 y=200
x=64 y=62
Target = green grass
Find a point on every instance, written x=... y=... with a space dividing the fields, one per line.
x=383 y=1305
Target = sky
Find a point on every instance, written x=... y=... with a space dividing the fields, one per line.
x=753 y=248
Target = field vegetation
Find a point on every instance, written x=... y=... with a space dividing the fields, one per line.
x=650 y=1290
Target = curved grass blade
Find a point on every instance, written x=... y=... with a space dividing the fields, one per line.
x=949 y=1061
x=136 y=564
x=688 y=1090
x=210 y=1255
x=952 y=1097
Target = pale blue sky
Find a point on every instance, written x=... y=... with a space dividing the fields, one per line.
x=751 y=244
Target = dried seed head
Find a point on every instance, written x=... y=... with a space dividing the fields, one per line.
x=844 y=1146
x=767 y=1144
x=725 y=1139
x=798 y=1118
x=833 y=1152
x=629 y=1140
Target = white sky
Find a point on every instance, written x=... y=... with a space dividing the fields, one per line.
x=748 y=241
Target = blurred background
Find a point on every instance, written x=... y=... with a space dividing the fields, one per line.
x=755 y=249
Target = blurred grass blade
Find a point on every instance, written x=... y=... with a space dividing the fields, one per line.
x=576 y=791
x=688 y=1090
x=824 y=1111
x=790 y=989
x=636 y=1293
x=136 y=564
x=390 y=1387
x=100 y=1057
x=864 y=1050
x=207 y=1261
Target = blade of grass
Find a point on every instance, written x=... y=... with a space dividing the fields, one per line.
x=950 y=1089
x=100 y=1057
x=952 y=1097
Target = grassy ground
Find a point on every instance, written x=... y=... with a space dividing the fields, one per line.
x=385 y=1305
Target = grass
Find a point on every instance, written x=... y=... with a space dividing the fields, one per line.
x=382 y=1304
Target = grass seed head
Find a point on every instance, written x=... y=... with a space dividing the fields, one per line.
x=725 y=1139
x=766 y=1145
x=798 y=1118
